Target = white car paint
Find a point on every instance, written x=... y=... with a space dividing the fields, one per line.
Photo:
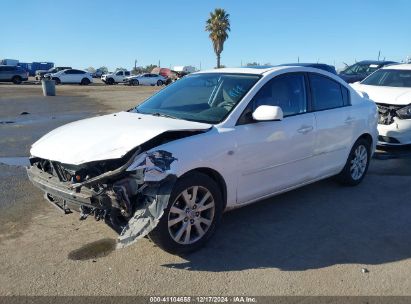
x=146 y=79
x=255 y=160
x=116 y=77
x=400 y=129
x=119 y=138
x=71 y=76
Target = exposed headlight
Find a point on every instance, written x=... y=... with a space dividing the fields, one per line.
x=405 y=112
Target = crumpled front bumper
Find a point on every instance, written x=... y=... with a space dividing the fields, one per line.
x=53 y=186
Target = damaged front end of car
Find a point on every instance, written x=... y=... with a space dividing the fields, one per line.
x=129 y=194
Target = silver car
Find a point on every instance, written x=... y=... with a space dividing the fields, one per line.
x=11 y=73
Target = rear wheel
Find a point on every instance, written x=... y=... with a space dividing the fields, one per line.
x=357 y=163
x=159 y=83
x=16 y=79
x=85 y=81
x=193 y=212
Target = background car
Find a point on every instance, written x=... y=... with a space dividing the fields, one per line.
x=212 y=141
x=11 y=73
x=146 y=79
x=40 y=74
x=321 y=66
x=390 y=88
x=362 y=69
x=116 y=77
x=72 y=76
x=98 y=73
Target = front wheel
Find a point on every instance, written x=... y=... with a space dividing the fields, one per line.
x=159 y=83
x=193 y=212
x=16 y=80
x=57 y=80
x=135 y=82
x=357 y=163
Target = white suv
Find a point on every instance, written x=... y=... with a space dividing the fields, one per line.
x=116 y=77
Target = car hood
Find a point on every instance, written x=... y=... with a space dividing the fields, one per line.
x=388 y=95
x=106 y=137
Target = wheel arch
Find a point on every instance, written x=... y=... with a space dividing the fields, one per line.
x=215 y=176
x=367 y=137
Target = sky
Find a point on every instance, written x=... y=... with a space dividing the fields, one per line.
x=81 y=33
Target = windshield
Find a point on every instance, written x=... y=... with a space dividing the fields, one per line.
x=360 y=69
x=389 y=78
x=200 y=97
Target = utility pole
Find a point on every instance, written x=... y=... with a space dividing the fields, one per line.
x=379 y=53
x=298 y=59
x=159 y=63
x=200 y=65
x=135 y=64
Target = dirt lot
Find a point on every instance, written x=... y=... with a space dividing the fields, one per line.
x=312 y=241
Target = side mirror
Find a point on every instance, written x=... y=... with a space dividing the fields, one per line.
x=264 y=113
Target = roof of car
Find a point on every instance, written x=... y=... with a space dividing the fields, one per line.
x=258 y=70
x=404 y=66
x=375 y=62
x=307 y=64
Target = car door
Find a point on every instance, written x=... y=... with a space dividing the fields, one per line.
x=146 y=79
x=66 y=76
x=335 y=123
x=126 y=74
x=3 y=73
x=276 y=155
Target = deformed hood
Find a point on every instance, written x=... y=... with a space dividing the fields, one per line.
x=105 y=137
x=387 y=95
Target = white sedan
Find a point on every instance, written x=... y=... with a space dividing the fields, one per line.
x=72 y=76
x=390 y=88
x=210 y=142
x=145 y=79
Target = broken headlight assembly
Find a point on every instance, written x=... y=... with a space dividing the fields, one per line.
x=405 y=112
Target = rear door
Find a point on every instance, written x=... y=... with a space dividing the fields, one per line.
x=335 y=123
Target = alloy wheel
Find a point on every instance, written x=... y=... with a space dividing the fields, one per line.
x=191 y=215
x=359 y=162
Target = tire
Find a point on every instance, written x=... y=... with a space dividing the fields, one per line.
x=57 y=80
x=16 y=80
x=357 y=164
x=110 y=81
x=85 y=81
x=169 y=238
x=159 y=83
x=135 y=82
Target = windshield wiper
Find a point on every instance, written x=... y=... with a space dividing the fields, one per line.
x=163 y=115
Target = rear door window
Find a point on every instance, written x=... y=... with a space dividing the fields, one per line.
x=327 y=93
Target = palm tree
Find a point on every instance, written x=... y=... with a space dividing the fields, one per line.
x=218 y=25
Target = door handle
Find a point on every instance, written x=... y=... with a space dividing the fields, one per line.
x=305 y=129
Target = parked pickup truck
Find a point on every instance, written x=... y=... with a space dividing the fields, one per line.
x=116 y=77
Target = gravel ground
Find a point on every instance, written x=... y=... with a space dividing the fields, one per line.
x=312 y=241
